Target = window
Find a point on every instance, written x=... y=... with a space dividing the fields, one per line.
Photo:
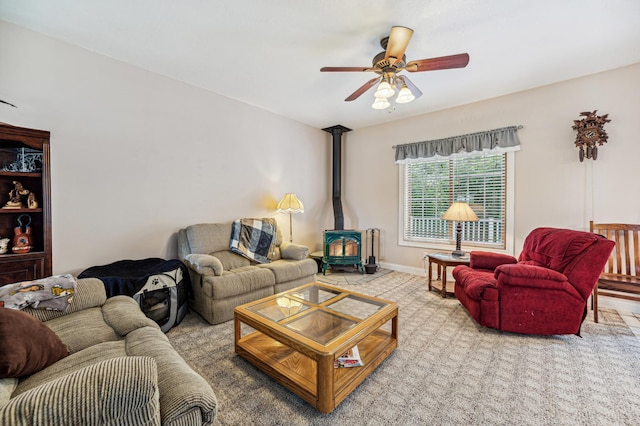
x=430 y=186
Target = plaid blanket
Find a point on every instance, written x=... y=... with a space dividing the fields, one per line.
x=254 y=238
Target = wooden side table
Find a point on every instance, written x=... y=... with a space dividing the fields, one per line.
x=442 y=261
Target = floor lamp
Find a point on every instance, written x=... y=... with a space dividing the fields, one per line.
x=459 y=212
x=290 y=204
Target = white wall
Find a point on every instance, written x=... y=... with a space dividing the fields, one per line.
x=136 y=156
x=552 y=187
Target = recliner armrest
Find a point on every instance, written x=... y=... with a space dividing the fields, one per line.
x=204 y=264
x=529 y=276
x=489 y=260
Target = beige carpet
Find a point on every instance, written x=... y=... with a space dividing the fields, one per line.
x=349 y=276
x=446 y=371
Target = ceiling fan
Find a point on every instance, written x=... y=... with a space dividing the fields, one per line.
x=392 y=61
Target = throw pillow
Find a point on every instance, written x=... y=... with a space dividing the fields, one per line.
x=26 y=344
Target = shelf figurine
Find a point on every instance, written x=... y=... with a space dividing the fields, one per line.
x=32 y=203
x=4 y=245
x=16 y=195
x=22 y=240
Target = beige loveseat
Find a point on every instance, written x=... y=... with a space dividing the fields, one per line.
x=121 y=370
x=222 y=279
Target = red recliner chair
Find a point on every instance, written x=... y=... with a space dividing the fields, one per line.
x=544 y=291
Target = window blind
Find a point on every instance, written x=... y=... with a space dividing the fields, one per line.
x=431 y=186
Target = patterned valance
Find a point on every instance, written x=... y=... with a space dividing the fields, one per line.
x=491 y=141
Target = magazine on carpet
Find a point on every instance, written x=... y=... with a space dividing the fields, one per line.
x=350 y=358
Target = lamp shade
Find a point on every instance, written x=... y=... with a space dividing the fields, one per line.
x=380 y=103
x=405 y=95
x=460 y=212
x=290 y=204
x=385 y=90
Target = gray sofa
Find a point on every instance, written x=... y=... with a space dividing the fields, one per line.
x=121 y=369
x=222 y=279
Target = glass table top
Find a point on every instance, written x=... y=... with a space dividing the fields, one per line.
x=315 y=294
x=317 y=312
x=279 y=308
x=356 y=307
x=449 y=257
x=320 y=326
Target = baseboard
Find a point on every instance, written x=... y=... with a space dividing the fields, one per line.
x=618 y=304
x=403 y=268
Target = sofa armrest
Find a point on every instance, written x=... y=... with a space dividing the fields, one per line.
x=90 y=293
x=183 y=392
x=123 y=314
x=204 y=264
x=489 y=260
x=117 y=391
x=293 y=251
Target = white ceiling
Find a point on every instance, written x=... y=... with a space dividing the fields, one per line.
x=269 y=53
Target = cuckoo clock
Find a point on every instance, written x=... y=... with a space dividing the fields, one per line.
x=591 y=133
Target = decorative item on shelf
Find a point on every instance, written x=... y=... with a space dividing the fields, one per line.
x=591 y=133
x=17 y=196
x=290 y=204
x=4 y=245
x=459 y=212
x=27 y=160
x=22 y=240
x=32 y=203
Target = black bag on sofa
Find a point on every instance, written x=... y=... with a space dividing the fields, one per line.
x=159 y=286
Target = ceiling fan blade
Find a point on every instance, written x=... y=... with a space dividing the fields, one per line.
x=345 y=69
x=368 y=85
x=414 y=89
x=398 y=41
x=442 y=63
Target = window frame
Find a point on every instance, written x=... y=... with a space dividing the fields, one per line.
x=435 y=245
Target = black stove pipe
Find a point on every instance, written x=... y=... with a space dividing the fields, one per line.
x=336 y=193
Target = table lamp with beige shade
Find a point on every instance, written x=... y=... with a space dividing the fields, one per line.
x=459 y=212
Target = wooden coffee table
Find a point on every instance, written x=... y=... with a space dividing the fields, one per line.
x=299 y=333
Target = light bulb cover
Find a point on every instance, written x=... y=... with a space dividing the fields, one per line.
x=385 y=90
x=380 y=103
x=405 y=95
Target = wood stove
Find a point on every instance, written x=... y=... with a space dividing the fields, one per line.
x=342 y=247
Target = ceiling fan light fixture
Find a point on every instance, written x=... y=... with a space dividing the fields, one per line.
x=385 y=90
x=404 y=95
x=393 y=60
x=380 y=103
